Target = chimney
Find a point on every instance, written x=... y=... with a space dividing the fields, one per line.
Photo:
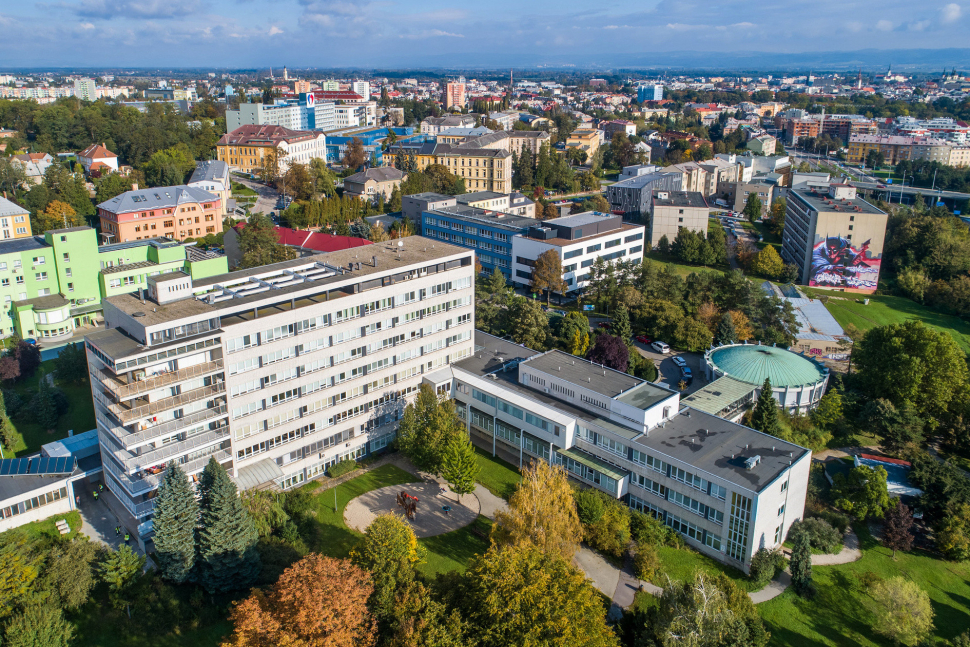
x=374 y=260
x=134 y=186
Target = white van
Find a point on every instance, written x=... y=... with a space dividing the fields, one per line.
x=660 y=347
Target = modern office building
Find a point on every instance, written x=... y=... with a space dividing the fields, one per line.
x=302 y=113
x=834 y=238
x=650 y=93
x=671 y=210
x=277 y=372
x=727 y=489
x=632 y=196
x=484 y=230
x=578 y=240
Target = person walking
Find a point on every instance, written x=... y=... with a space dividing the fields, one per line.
x=95 y=495
x=100 y=487
x=117 y=531
x=127 y=537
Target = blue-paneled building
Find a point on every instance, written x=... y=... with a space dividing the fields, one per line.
x=488 y=232
x=372 y=138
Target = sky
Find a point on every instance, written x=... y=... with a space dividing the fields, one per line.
x=400 y=33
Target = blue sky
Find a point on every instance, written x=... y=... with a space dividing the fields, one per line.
x=390 y=33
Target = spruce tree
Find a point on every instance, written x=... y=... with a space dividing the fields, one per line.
x=801 y=565
x=43 y=405
x=764 y=418
x=460 y=465
x=175 y=520
x=621 y=324
x=725 y=330
x=227 y=554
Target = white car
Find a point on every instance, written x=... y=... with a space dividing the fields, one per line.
x=679 y=361
x=660 y=347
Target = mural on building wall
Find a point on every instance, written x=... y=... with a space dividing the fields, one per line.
x=837 y=264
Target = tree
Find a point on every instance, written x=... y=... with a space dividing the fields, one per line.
x=953 y=533
x=377 y=233
x=395 y=203
x=71 y=365
x=491 y=297
x=911 y=362
x=38 y=625
x=175 y=520
x=58 y=215
x=779 y=208
x=422 y=621
x=752 y=207
x=226 y=557
x=768 y=263
x=317 y=601
x=530 y=325
x=42 y=405
x=620 y=326
x=355 y=156
x=801 y=565
x=695 y=613
x=898 y=527
x=829 y=410
x=902 y=610
x=574 y=333
x=19 y=567
x=726 y=333
x=862 y=492
x=427 y=427
x=9 y=368
x=389 y=551
x=610 y=351
x=259 y=243
x=119 y=570
x=169 y=167
x=111 y=185
x=663 y=245
x=460 y=466
x=898 y=427
x=541 y=513
x=764 y=417
x=547 y=274
x=520 y=596
x=69 y=571
x=27 y=356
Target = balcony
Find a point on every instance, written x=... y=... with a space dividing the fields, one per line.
x=159 y=455
x=122 y=390
x=128 y=415
x=132 y=440
x=145 y=482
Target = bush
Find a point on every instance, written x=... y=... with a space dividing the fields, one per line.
x=647 y=529
x=298 y=503
x=646 y=562
x=821 y=535
x=589 y=505
x=611 y=533
x=13 y=402
x=868 y=580
x=839 y=521
x=764 y=564
x=346 y=466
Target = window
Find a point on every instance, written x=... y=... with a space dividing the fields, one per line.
x=612 y=243
x=778 y=534
x=67 y=257
x=70 y=287
x=573 y=253
x=67 y=272
x=781 y=510
x=569 y=268
x=240 y=343
x=630 y=239
x=39 y=260
x=636 y=249
x=593 y=248
x=5 y=283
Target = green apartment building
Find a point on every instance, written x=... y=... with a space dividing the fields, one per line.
x=52 y=284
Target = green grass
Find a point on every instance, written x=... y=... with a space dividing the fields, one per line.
x=682 y=268
x=681 y=564
x=498 y=476
x=46 y=529
x=79 y=416
x=242 y=189
x=451 y=551
x=838 y=614
x=884 y=309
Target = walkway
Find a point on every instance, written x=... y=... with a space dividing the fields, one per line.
x=430 y=519
x=98 y=522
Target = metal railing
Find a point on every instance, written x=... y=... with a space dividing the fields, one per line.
x=171 y=402
x=123 y=391
x=147 y=482
x=131 y=440
x=166 y=452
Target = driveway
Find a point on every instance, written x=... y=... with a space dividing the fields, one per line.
x=670 y=372
x=268 y=196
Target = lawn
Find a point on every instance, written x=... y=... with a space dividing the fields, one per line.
x=681 y=564
x=837 y=615
x=451 y=551
x=883 y=309
x=767 y=237
x=79 y=416
x=496 y=475
x=682 y=268
x=46 y=529
x=242 y=189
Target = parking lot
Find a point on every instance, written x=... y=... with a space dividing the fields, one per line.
x=670 y=372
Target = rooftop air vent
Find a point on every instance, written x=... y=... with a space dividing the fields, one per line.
x=138 y=314
x=750 y=463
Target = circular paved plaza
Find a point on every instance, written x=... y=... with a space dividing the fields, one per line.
x=430 y=518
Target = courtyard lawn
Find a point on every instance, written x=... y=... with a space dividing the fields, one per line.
x=79 y=416
x=452 y=550
x=45 y=529
x=838 y=615
x=682 y=268
x=496 y=475
x=242 y=189
x=883 y=309
x=681 y=564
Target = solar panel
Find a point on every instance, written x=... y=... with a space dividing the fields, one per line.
x=37 y=465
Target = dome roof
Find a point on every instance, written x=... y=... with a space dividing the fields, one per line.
x=752 y=364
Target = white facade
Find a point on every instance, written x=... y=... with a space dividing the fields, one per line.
x=350 y=116
x=302 y=152
x=85 y=89
x=50 y=497
x=362 y=88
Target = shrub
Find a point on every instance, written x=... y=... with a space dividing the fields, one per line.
x=589 y=505
x=868 y=580
x=298 y=503
x=346 y=466
x=13 y=402
x=611 y=533
x=821 y=535
x=764 y=564
x=646 y=562
x=837 y=520
x=647 y=529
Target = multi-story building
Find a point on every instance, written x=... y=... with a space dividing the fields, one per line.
x=634 y=195
x=213 y=176
x=246 y=147
x=618 y=126
x=899 y=148
x=14 y=220
x=455 y=94
x=834 y=238
x=97 y=158
x=695 y=176
x=839 y=126
x=720 y=173
x=585 y=139
x=727 y=489
x=177 y=212
x=484 y=230
x=86 y=89
x=736 y=194
x=671 y=210
x=34 y=166
x=762 y=145
x=650 y=93
x=276 y=384
x=434 y=125
x=578 y=240
x=483 y=169
x=373 y=183
x=514 y=141
x=362 y=88
x=513 y=203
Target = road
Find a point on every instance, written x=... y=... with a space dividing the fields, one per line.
x=268 y=196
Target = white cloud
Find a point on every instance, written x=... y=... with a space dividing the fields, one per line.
x=611 y=27
x=431 y=33
x=274 y=30
x=884 y=25
x=918 y=25
x=950 y=13
x=85 y=26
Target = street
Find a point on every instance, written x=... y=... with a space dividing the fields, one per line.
x=268 y=196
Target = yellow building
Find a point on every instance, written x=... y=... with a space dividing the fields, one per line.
x=14 y=220
x=586 y=139
x=245 y=148
x=483 y=169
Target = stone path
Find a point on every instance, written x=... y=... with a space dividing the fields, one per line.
x=430 y=519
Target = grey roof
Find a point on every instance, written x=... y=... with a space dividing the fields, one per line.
x=48 y=302
x=579 y=219
x=431 y=196
x=640 y=181
x=577 y=370
x=720 y=448
x=258 y=473
x=13 y=488
x=466 y=132
x=8 y=208
x=680 y=199
x=719 y=395
x=210 y=171
x=162 y=197
x=377 y=174
x=15 y=245
x=814 y=320
x=492 y=353
x=818 y=202
x=68 y=230
x=486 y=216
x=479 y=195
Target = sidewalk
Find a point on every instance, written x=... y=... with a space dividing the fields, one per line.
x=98 y=522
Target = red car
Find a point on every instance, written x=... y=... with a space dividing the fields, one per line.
x=643 y=339
x=603 y=324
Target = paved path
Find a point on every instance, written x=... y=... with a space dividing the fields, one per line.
x=431 y=518
x=98 y=522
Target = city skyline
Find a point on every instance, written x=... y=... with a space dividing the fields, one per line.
x=328 y=33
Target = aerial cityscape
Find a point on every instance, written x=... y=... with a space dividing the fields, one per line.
x=341 y=324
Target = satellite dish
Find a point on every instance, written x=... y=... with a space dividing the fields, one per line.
x=400 y=243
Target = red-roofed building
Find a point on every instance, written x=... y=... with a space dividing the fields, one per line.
x=97 y=157
x=337 y=95
x=306 y=242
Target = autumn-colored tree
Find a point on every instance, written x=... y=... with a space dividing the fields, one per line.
x=389 y=551
x=709 y=314
x=59 y=215
x=356 y=155
x=318 y=601
x=902 y=611
x=542 y=513
x=898 y=527
x=768 y=263
x=377 y=233
x=742 y=325
x=547 y=274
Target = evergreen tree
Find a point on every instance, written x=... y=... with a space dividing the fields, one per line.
x=752 y=207
x=119 y=570
x=663 y=245
x=43 y=406
x=620 y=326
x=460 y=466
x=764 y=418
x=395 y=204
x=801 y=565
x=227 y=538
x=175 y=520
x=725 y=331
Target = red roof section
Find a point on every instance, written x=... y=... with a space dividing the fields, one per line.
x=314 y=240
x=96 y=151
x=894 y=461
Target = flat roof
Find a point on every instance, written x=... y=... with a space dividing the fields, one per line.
x=491 y=353
x=15 y=245
x=815 y=319
x=720 y=448
x=718 y=395
x=679 y=199
x=577 y=370
x=490 y=216
x=563 y=242
x=822 y=202
x=580 y=219
x=479 y=195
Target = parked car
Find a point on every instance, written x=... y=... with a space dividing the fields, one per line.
x=660 y=347
x=686 y=372
x=643 y=339
x=603 y=324
x=561 y=313
x=679 y=361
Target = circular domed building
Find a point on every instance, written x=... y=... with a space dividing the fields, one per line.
x=797 y=382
